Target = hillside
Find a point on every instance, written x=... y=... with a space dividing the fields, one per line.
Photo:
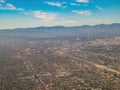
x=91 y=32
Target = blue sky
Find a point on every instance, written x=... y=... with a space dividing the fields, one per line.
x=33 y=13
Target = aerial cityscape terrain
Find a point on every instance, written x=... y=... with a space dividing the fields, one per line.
x=59 y=44
x=83 y=60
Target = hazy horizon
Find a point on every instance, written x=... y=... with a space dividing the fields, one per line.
x=59 y=45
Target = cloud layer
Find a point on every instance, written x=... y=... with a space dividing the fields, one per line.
x=57 y=4
x=74 y=4
x=57 y=12
x=2 y=1
x=44 y=15
x=9 y=6
x=85 y=12
x=98 y=7
x=83 y=1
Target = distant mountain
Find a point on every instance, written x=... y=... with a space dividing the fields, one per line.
x=74 y=27
x=93 y=32
x=39 y=28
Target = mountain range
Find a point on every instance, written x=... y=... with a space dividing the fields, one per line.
x=85 y=31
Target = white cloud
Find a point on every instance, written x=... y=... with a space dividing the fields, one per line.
x=83 y=1
x=12 y=7
x=2 y=1
x=67 y=22
x=44 y=15
x=64 y=7
x=85 y=12
x=98 y=7
x=74 y=4
x=57 y=4
x=9 y=6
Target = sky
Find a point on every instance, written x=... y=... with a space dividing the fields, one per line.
x=34 y=13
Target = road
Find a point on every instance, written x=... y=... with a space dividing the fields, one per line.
x=96 y=65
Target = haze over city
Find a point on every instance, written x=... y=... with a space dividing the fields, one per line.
x=59 y=45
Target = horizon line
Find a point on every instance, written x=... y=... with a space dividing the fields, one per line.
x=59 y=26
